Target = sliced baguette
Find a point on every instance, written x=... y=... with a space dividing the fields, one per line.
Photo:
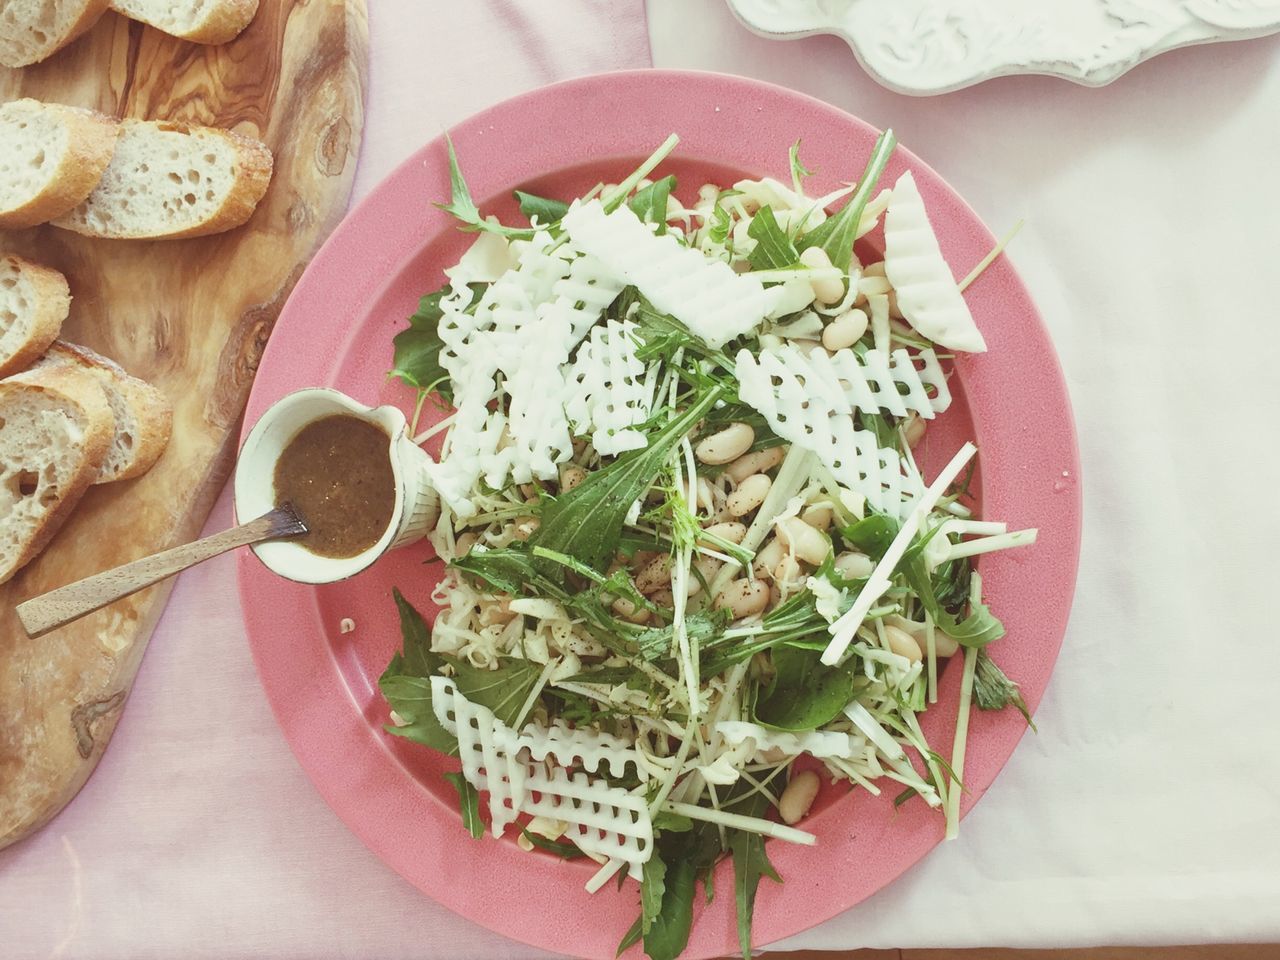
x=199 y=21
x=55 y=431
x=143 y=417
x=51 y=158
x=170 y=180
x=34 y=301
x=32 y=30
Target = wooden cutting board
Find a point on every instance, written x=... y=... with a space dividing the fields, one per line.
x=191 y=317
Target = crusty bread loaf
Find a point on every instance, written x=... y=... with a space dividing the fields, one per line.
x=169 y=180
x=33 y=303
x=51 y=158
x=55 y=431
x=143 y=417
x=31 y=30
x=200 y=21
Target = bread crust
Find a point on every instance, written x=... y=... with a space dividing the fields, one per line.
x=53 y=301
x=91 y=143
x=89 y=14
x=149 y=406
x=253 y=175
x=226 y=21
x=81 y=391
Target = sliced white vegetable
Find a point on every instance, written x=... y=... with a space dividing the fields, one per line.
x=715 y=303
x=816 y=743
x=928 y=295
x=607 y=393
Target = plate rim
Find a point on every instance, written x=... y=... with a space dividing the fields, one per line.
x=339 y=788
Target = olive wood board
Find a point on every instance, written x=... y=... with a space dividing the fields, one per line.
x=190 y=316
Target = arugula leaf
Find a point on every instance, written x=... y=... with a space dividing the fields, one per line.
x=406 y=686
x=804 y=694
x=503 y=690
x=565 y=851
x=469 y=801
x=416 y=360
x=663 y=333
x=750 y=863
x=836 y=234
x=667 y=822
x=669 y=923
x=547 y=211
x=630 y=938
x=720 y=225
x=652 y=889
x=992 y=690
x=872 y=535
x=462 y=207
x=586 y=522
x=774 y=249
x=976 y=630
x=798 y=170
x=655 y=642
x=650 y=204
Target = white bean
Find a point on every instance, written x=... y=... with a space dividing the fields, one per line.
x=725 y=445
x=525 y=527
x=845 y=330
x=628 y=611
x=758 y=461
x=805 y=542
x=731 y=531
x=462 y=546
x=767 y=557
x=787 y=570
x=799 y=795
x=570 y=477
x=854 y=566
x=817 y=515
x=873 y=286
x=903 y=644
x=749 y=495
x=708 y=567
x=825 y=289
x=915 y=429
x=663 y=598
x=743 y=598
x=655 y=575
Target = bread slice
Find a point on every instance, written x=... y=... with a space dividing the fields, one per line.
x=32 y=30
x=169 y=180
x=51 y=158
x=55 y=431
x=34 y=301
x=143 y=417
x=200 y=21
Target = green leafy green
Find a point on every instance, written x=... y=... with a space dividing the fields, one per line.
x=872 y=535
x=546 y=210
x=630 y=938
x=462 y=207
x=666 y=822
x=586 y=522
x=406 y=686
x=702 y=627
x=565 y=851
x=992 y=690
x=503 y=690
x=721 y=224
x=670 y=918
x=750 y=863
x=650 y=203
x=804 y=694
x=652 y=889
x=798 y=170
x=978 y=629
x=774 y=249
x=836 y=234
x=469 y=801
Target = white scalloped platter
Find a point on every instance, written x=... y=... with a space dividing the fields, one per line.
x=923 y=47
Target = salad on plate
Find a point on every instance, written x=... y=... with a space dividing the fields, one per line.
x=693 y=568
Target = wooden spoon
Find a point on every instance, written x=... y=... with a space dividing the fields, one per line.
x=51 y=610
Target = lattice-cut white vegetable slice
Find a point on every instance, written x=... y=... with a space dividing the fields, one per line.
x=804 y=401
x=705 y=295
x=607 y=394
x=487 y=749
x=571 y=745
x=473 y=443
x=538 y=428
x=894 y=384
x=582 y=296
x=602 y=820
x=816 y=743
x=928 y=295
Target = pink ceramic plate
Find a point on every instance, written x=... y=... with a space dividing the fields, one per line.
x=336 y=331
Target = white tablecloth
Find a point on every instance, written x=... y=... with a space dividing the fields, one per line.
x=1145 y=811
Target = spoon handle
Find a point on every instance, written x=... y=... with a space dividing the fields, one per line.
x=51 y=610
